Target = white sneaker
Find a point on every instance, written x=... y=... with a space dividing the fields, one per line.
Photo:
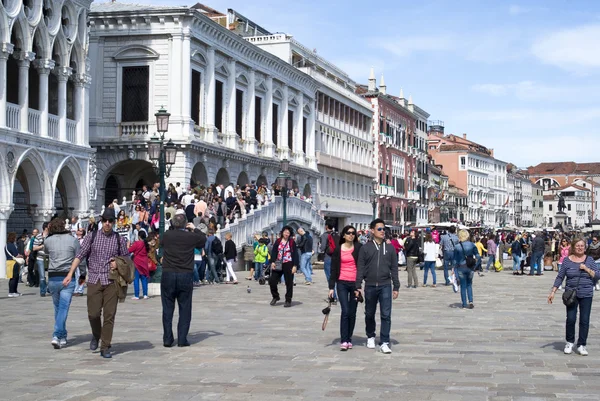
x=582 y=351
x=597 y=287
x=569 y=348
x=14 y=294
x=145 y=296
x=385 y=348
x=135 y=298
x=63 y=342
x=371 y=343
x=55 y=342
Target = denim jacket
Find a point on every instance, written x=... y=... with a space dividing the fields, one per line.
x=460 y=256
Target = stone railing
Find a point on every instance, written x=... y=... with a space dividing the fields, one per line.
x=34 y=119
x=53 y=126
x=71 y=131
x=12 y=116
x=269 y=217
x=134 y=128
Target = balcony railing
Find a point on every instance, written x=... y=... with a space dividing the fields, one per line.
x=12 y=116
x=53 y=126
x=134 y=128
x=35 y=118
x=71 y=131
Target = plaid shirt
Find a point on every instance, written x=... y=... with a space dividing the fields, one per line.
x=99 y=254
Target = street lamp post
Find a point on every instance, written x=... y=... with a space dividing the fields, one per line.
x=163 y=155
x=284 y=181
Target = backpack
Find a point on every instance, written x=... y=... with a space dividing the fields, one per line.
x=216 y=247
x=330 y=245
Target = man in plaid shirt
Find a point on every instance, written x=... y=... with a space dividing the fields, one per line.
x=100 y=248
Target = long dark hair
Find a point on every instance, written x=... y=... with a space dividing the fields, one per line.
x=344 y=231
x=143 y=237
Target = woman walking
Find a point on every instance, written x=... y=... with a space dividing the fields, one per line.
x=431 y=250
x=230 y=256
x=516 y=252
x=12 y=254
x=343 y=277
x=466 y=259
x=61 y=248
x=411 y=249
x=581 y=273
x=284 y=261
x=140 y=249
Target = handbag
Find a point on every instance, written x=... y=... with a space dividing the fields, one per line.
x=10 y=265
x=278 y=263
x=438 y=263
x=470 y=260
x=151 y=265
x=569 y=297
x=19 y=261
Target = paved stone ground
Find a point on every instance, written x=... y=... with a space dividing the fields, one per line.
x=508 y=348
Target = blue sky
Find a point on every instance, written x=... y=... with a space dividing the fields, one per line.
x=520 y=77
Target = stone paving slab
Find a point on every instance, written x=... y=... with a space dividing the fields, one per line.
x=508 y=348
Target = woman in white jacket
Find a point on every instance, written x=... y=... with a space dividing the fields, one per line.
x=431 y=250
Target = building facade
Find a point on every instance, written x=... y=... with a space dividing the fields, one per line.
x=578 y=203
x=473 y=168
x=236 y=110
x=537 y=205
x=344 y=149
x=45 y=155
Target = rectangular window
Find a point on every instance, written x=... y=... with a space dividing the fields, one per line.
x=219 y=105
x=34 y=93
x=195 y=100
x=550 y=220
x=290 y=132
x=550 y=208
x=463 y=162
x=257 y=118
x=239 y=112
x=275 y=124
x=304 y=132
x=569 y=207
x=135 y=93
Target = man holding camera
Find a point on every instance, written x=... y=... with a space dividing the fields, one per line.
x=177 y=282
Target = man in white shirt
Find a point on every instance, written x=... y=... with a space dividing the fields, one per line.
x=116 y=207
x=187 y=199
x=229 y=191
x=178 y=189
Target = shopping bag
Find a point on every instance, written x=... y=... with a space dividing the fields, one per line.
x=454 y=281
x=498 y=266
x=401 y=258
x=439 y=263
x=10 y=264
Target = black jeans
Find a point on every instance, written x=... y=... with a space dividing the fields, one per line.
x=180 y=287
x=383 y=295
x=32 y=275
x=585 y=308
x=14 y=281
x=275 y=278
x=348 y=303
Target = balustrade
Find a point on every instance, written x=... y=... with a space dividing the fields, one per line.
x=71 y=131
x=53 y=126
x=35 y=117
x=134 y=128
x=12 y=116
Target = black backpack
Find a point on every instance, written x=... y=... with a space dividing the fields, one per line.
x=216 y=247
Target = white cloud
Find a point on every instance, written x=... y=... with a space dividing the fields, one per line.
x=574 y=50
x=405 y=46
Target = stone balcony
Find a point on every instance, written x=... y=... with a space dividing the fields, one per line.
x=35 y=126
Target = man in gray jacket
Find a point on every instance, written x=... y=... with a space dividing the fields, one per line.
x=378 y=267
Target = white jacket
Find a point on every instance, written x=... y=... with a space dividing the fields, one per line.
x=431 y=250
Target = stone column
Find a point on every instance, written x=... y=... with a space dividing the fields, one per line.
x=6 y=50
x=63 y=74
x=186 y=86
x=25 y=59
x=175 y=78
x=298 y=155
x=249 y=137
x=79 y=104
x=85 y=120
x=311 y=139
x=209 y=85
x=231 y=97
x=284 y=149
x=44 y=66
x=268 y=148
x=5 y=212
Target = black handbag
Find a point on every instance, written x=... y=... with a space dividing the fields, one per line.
x=569 y=297
x=470 y=260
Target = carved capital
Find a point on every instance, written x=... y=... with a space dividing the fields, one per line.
x=83 y=80
x=24 y=58
x=63 y=73
x=5 y=211
x=6 y=49
x=44 y=66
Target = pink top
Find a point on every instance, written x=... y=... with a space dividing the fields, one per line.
x=347 y=265
x=564 y=252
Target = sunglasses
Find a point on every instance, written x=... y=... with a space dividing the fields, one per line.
x=108 y=221
x=350 y=233
x=380 y=228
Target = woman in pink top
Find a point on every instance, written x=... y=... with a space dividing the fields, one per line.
x=343 y=276
x=140 y=250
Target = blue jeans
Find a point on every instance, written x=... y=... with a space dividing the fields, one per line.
x=198 y=273
x=448 y=265
x=61 y=297
x=78 y=288
x=136 y=284
x=212 y=269
x=42 y=277
x=465 y=275
x=383 y=295
x=348 y=305
x=258 y=266
x=429 y=266
x=491 y=262
x=585 y=308
x=536 y=260
x=327 y=270
x=516 y=263
x=305 y=266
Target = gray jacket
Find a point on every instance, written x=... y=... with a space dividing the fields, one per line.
x=62 y=249
x=377 y=265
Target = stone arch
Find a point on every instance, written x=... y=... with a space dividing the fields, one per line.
x=4 y=28
x=307 y=190
x=5 y=194
x=127 y=174
x=243 y=179
x=262 y=180
x=77 y=62
x=20 y=36
x=34 y=170
x=60 y=51
x=33 y=10
x=68 y=21
x=199 y=175
x=199 y=56
x=82 y=26
x=41 y=43
x=222 y=177
x=136 y=52
x=12 y=7
x=69 y=181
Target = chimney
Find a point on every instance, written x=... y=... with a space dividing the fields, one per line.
x=382 y=87
x=464 y=136
x=372 y=81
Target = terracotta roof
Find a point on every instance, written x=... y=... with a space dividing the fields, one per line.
x=548 y=197
x=564 y=168
x=588 y=168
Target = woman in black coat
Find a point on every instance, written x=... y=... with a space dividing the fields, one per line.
x=284 y=261
x=343 y=276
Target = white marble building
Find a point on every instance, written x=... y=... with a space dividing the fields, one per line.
x=344 y=147
x=236 y=110
x=45 y=158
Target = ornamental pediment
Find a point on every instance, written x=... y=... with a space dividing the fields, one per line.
x=136 y=52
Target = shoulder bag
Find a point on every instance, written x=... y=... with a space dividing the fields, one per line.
x=470 y=260
x=569 y=297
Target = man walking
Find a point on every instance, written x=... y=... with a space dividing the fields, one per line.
x=177 y=282
x=448 y=242
x=378 y=267
x=305 y=245
x=538 y=246
x=101 y=248
x=41 y=258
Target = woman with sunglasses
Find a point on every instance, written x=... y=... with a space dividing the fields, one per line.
x=343 y=276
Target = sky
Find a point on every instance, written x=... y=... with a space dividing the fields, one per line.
x=520 y=77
